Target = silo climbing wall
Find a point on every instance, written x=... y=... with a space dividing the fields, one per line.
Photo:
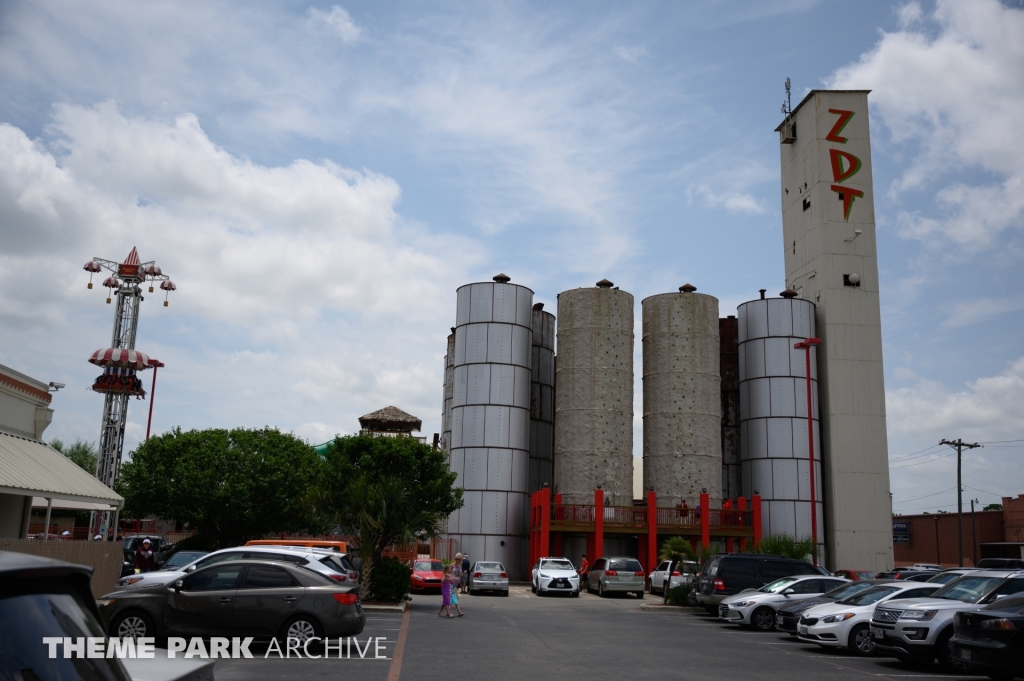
x=542 y=398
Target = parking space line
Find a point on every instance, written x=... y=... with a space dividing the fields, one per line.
x=396 y=658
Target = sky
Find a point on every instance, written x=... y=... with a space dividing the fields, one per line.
x=318 y=179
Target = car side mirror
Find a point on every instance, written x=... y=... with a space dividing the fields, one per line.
x=179 y=585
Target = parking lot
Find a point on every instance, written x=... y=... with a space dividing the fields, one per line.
x=523 y=636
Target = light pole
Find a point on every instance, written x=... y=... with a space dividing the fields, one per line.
x=156 y=364
x=806 y=346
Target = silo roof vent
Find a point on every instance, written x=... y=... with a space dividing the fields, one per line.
x=502 y=278
x=687 y=288
x=604 y=283
x=538 y=306
x=788 y=293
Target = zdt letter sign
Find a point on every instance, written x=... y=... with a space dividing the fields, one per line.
x=844 y=164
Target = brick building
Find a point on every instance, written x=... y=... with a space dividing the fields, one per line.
x=932 y=537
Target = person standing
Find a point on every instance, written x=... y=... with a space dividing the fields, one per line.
x=145 y=559
x=446 y=592
x=465 y=572
x=457 y=571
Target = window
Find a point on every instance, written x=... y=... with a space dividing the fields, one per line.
x=599 y=565
x=267 y=577
x=968 y=589
x=915 y=593
x=778 y=585
x=664 y=566
x=219 y=558
x=808 y=586
x=803 y=569
x=829 y=584
x=1009 y=588
x=742 y=570
x=773 y=569
x=626 y=565
x=498 y=567
x=428 y=566
x=214 y=579
x=555 y=565
x=870 y=596
x=283 y=557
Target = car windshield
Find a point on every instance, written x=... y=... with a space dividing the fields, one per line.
x=865 y=575
x=558 y=565
x=945 y=577
x=847 y=590
x=182 y=558
x=624 y=564
x=26 y=618
x=869 y=596
x=967 y=589
x=428 y=566
x=493 y=567
x=777 y=586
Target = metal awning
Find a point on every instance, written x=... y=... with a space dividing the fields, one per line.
x=32 y=468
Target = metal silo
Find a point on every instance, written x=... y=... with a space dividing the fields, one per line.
x=773 y=413
x=491 y=421
x=542 y=398
x=682 y=397
x=594 y=395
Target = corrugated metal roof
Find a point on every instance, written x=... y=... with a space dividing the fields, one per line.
x=30 y=467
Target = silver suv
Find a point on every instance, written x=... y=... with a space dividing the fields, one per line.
x=919 y=629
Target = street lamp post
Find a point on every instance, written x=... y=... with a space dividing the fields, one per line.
x=806 y=346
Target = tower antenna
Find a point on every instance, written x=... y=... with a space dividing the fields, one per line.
x=787 y=106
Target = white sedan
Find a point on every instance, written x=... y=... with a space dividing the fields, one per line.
x=757 y=608
x=845 y=623
x=554 y=574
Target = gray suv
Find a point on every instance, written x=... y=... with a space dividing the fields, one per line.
x=617 y=574
x=919 y=629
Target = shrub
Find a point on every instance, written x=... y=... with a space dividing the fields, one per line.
x=785 y=545
x=678 y=595
x=389 y=580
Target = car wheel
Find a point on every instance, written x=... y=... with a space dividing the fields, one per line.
x=945 y=661
x=504 y=593
x=600 y=590
x=860 y=641
x=711 y=610
x=533 y=587
x=639 y=594
x=763 y=619
x=576 y=593
x=302 y=628
x=132 y=624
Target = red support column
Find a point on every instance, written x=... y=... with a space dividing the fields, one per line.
x=741 y=518
x=545 y=521
x=705 y=520
x=755 y=510
x=652 y=532
x=598 y=524
x=728 y=518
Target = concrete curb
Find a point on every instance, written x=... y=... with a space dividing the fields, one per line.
x=658 y=607
x=379 y=607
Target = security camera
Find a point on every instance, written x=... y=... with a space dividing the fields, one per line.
x=856 y=233
x=56 y=386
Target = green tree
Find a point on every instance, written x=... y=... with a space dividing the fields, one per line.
x=81 y=452
x=993 y=507
x=383 y=491
x=785 y=545
x=231 y=486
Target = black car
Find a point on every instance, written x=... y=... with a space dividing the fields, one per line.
x=991 y=640
x=787 y=617
x=256 y=598
x=42 y=598
x=730 y=573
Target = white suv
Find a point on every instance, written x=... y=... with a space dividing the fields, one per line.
x=661 y=581
x=324 y=561
x=555 y=574
x=920 y=629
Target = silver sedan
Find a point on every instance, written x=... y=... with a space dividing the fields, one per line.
x=488 y=576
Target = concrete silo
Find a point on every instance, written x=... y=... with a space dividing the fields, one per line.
x=682 y=397
x=773 y=413
x=594 y=395
x=542 y=398
x=491 y=421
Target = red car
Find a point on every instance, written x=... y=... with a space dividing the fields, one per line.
x=426 y=576
x=855 y=575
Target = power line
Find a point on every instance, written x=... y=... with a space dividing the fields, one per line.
x=905 y=501
x=998 y=442
x=905 y=457
x=945 y=456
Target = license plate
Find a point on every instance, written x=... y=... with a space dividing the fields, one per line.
x=879 y=634
x=803 y=629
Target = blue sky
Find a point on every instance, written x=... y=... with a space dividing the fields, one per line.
x=318 y=179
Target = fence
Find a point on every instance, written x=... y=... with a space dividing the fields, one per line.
x=104 y=557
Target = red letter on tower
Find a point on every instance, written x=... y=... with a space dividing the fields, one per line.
x=844 y=118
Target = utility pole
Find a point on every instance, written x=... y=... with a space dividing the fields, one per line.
x=974 y=533
x=959 y=445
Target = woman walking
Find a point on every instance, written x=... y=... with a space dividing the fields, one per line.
x=446 y=592
x=455 y=579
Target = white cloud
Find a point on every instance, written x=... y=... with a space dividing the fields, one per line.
x=303 y=298
x=978 y=310
x=340 y=21
x=989 y=409
x=909 y=14
x=631 y=54
x=732 y=201
x=956 y=98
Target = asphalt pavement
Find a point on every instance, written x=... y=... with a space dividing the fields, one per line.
x=523 y=636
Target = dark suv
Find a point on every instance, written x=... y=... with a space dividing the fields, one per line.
x=730 y=573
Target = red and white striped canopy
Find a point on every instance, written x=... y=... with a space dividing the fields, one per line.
x=120 y=357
